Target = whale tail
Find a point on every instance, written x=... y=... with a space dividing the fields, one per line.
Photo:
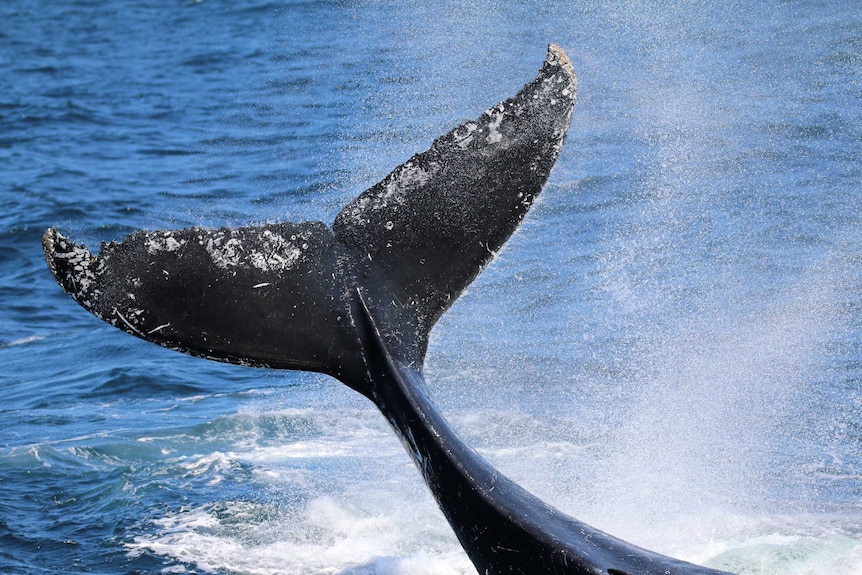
x=284 y=295
x=358 y=300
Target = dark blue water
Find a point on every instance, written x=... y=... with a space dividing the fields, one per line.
x=670 y=349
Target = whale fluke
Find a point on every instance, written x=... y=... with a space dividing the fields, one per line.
x=278 y=295
x=357 y=301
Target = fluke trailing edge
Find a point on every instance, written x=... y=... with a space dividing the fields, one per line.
x=358 y=301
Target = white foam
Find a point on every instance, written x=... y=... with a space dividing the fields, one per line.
x=348 y=501
x=783 y=554
x=367 y=531
x=25 y=340
x=342 y=498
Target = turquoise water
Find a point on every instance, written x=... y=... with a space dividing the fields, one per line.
x=670 y=349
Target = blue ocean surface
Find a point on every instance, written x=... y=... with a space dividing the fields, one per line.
x=670 y=348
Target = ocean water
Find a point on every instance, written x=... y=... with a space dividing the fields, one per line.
x=670 y=349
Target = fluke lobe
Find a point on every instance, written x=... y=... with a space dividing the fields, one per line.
x=358 y=301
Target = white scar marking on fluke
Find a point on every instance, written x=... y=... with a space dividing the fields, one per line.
x=496 y=114
x=463 y=140
x=224 y=253
x=80 y=263
x=395 y=191
x=269 y=252
x=159 y=328
x=163 y=242
x=129 y=325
